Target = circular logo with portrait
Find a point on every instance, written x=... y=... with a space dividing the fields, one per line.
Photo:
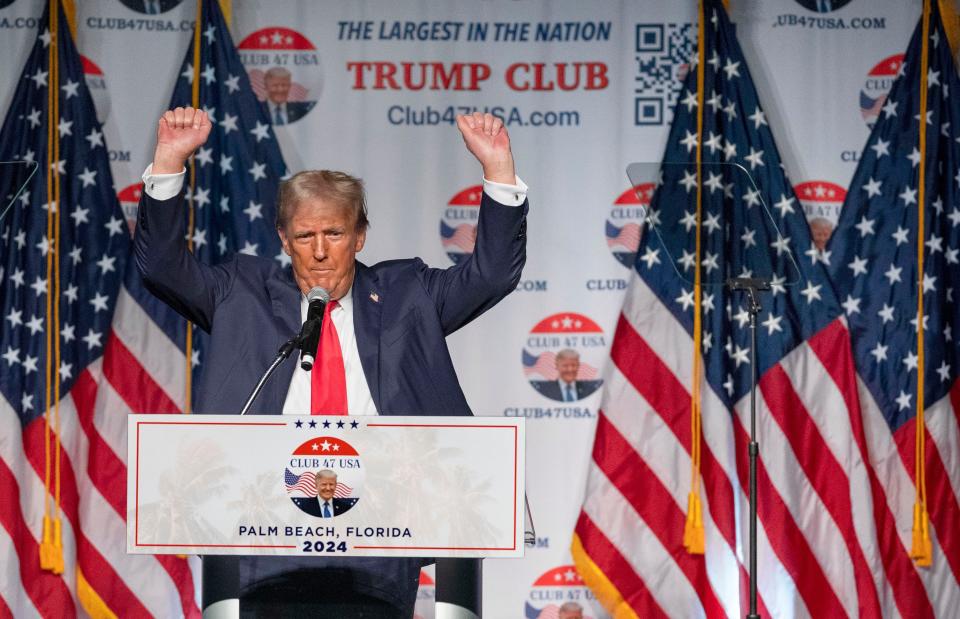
x=285 y=72
x=150 y=7
x=324 y=477
x=823 y=6
x=625 y=222
x=561 y=594
x=562 y=356
x=458 y=226
x=873 y=95
x=822 y=201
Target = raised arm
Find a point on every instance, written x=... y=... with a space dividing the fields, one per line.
x=169 y=269
x=476 y=284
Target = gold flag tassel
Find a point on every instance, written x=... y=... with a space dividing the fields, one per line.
x=693 y=536
x=921 y=551
x=51 y=545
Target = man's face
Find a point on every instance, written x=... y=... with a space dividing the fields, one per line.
x=570 y=614
x=278 y=89
x=322 y=241
x=325 y=487
x=568 y=368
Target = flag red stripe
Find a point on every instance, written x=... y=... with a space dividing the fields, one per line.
x=109 y=475
x=825 y=474
x=643 y=490
x=785 y=536
x=830 y=346
x=132 y=382
x=617 y=569
x=47 y=591
x=97 y=570
x=671 y=401
x=4 y=609
x=941 y=501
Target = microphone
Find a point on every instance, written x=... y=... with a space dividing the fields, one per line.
x=317 y=300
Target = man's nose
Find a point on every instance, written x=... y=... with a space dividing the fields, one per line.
x=320 y=249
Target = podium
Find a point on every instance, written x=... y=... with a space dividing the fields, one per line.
x=449 y=488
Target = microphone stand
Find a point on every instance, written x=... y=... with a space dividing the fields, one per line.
x=288 y=347
x=752 y=286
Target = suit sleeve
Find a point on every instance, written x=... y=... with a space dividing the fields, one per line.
x=466 y=290
x=170 y=271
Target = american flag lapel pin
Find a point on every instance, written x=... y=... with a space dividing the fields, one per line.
x=374 y=297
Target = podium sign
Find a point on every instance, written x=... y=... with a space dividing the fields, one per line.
x=325 y=485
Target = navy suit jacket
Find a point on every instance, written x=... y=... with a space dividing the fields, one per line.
x=311 y=505
x=402 y=313
x=551 y=388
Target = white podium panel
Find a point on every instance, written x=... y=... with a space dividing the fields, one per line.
x=340 y=486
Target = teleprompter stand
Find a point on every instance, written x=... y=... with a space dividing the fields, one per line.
x=752 y=286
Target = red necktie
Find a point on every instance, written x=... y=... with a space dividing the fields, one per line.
x=328 y=380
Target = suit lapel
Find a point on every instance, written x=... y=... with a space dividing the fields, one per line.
x=367 y=301
x=285 y=303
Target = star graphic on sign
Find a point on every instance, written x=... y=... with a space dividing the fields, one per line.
x=326 y=424
x=354 y=424
x=313 y=423
x=325 y=445
x=298 y=423
x=337 y=447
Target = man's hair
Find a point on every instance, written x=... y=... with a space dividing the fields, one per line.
x=276 y=73
x=327 y=473
x=332 y=187
x=567 y=353
x=571 y=607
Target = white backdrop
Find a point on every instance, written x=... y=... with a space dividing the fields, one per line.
x=817 y=75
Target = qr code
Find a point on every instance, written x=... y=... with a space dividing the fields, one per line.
x=663 y=53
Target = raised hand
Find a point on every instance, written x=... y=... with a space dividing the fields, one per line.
x=179 y=132
x=486 y=137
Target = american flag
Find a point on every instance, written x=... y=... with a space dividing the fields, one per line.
x=820 y=548
x=874 y=264
x=626 y=237
x=307 y=484
x=544 y=367
x=463 y=237
x=237 y=173
x=90 y=243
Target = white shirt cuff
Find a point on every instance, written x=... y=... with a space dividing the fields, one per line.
x=163 y=186
x=510 y=195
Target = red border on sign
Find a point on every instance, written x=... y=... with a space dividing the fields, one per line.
x=516 y=448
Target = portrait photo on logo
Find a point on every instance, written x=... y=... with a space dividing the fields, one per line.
x=323 y=477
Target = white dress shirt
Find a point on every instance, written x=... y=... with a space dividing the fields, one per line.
x=359 y=399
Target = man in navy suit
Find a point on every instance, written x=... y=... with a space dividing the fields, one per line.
x=567 y=388
x=390 y=320
x=281 y=110
x=325 y=505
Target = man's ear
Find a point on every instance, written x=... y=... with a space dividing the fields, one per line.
x=361 y=239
